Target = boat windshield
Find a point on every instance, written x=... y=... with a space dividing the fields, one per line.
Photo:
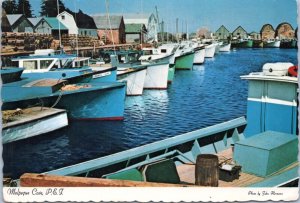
x=67 y=64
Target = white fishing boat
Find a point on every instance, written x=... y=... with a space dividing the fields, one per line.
x=210 y=50
x=135 y=79
x=20 y=124
x=225 y=47
x=157 y=76
x=199 y=51
x=272 y=43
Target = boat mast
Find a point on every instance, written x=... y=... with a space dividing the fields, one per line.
x=57 y=4
x=157 y=20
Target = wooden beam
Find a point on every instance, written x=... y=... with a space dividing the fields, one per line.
x=42 y=180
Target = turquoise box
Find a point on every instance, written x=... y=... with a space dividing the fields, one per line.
x=265 y=153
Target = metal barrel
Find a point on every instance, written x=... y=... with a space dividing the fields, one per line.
x=207 y=170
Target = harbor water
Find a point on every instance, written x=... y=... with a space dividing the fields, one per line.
x=209 y=94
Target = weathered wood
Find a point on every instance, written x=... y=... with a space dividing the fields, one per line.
x=207 y=170
x=42 y=180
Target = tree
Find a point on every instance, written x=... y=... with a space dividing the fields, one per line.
x=10 y=6
x=24 y=7
x=49 y=8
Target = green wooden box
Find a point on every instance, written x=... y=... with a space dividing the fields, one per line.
x=266 y=153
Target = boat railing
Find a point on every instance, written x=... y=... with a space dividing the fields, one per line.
x=187 y=146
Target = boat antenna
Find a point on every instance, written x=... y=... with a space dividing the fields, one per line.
x=57 y=4
x=107 y=14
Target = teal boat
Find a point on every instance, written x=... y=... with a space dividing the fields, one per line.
x=171 y=73
x=213 y=156
x=184 y=61
x=243 y=43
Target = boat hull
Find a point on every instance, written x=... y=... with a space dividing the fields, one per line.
x=134 y=81
x=210 y=51
x=37 y=122
x=100 y=101
x=199 y=56
x=157 y=76
x=243 y=44
x=171 y=73
x=258 y=44
x=275 y=44
x=185 y=61
x=225 y=48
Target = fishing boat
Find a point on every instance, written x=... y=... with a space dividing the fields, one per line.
x=272 y=43
x=218 y=45
x=184 y=57
x=225 y=47
x=288 y=43
x=242 y=43
x=258 y=44
x=101 y=101
x=49 y=64
x=21 y=124
x=210 y=50
x=199 y=50
x=213 y=156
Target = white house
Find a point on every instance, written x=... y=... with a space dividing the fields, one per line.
x=68 y=20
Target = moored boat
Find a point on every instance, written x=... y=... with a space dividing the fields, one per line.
x=224 y=147
x=21 y=124
x=288 y=44
x=134 y=78
x=258 y=44
x=101 y=101
x=157 y=76
x=225 y=47
x=242 y=43
x=272 y=43
x=210 y=50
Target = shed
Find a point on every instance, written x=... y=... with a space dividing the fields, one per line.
x=222 y=33
x=240 y=33
x=51 y=25
x=110 y=29
x=267 y=32
x=19 y=23
x=135 y=32
x=285 y=31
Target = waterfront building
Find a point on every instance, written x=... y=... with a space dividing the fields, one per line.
x=267 y=32
x=78 y=23
x=19 y=23
x=285 y=31
x=135 y=33
x=149 y=20
x=240 y=33
x=222 y=33
x=110 y=29
x=50 y=25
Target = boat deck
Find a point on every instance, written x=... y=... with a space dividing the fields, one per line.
x=187 y=173
x=18 y=117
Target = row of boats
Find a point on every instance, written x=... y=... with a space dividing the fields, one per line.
x=213 y=156
x=97 y=91
x=269 y=43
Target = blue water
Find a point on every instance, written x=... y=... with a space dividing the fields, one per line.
x=207 y=95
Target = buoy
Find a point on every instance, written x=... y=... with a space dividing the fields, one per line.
x=293 y=71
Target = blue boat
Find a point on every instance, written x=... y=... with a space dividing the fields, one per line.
x=11 y=74
x=101 y=101
x=63 y=66
x=213 y=156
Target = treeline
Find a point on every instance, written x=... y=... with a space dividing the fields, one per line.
x=48 y=7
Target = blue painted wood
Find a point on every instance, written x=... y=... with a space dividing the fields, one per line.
x=149 y=148
x=104 y=101
x=266 y=153
x=280 y=179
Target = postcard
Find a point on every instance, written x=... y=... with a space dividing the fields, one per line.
x=162 y=101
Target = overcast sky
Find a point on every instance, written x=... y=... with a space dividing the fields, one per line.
x=250 y=14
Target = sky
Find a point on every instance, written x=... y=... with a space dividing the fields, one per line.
x=194 y=14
